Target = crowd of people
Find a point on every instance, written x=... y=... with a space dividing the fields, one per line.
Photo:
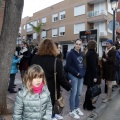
x=36 y=97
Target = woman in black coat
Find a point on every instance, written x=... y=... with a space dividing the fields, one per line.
x=47 y=53
x=91 y=72
x=23 y=66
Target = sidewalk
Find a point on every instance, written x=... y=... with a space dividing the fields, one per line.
x=11 y=99
x=112 y=112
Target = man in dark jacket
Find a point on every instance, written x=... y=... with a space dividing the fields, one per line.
x=76 y=72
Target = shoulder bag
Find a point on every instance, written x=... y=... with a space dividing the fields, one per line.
x=59 y=103
x=94 y=91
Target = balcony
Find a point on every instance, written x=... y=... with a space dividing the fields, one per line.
x=103 y=34
x=94 y=1
x=97 y=16
x=29 y=30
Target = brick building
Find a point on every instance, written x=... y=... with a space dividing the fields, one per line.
x=118 y=12
x=64 y=20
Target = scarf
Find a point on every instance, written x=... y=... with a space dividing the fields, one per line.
x=107 y=50
x=38 y=89
x=23 y=50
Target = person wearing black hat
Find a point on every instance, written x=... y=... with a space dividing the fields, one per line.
x=109 y=59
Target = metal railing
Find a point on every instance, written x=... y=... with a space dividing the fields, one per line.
x=97 y=13
x=103 y=33
x=29 y=29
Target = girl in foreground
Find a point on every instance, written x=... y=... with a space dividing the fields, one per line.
x=33 y=101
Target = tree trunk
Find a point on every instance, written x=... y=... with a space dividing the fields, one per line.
x=11 y=22
x=38 y=37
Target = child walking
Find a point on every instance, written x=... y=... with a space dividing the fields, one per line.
x=33 y=102
x=13 y=71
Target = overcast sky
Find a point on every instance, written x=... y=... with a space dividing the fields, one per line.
x=32 y=6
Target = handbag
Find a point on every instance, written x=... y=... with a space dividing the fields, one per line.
x=59 y=103
x=94 y=91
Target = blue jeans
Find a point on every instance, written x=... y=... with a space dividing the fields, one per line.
x=77 y=84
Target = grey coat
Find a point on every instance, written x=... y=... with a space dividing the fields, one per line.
x=32 y=106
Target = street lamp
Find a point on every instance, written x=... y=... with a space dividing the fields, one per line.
x=114 y=5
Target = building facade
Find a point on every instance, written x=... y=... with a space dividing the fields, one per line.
x=118 y=12
x=64 y=20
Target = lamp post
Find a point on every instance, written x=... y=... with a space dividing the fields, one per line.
x=114 y=5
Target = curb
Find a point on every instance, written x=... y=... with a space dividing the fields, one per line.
x=98 y=112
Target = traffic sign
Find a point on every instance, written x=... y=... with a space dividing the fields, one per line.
x=110 y=25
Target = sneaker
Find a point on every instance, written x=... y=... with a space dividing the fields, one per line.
x=79 y=112
x=59 y=117
x=74 y=115
x=54 y=118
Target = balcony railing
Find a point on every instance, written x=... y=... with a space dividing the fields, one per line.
x=29 y=29
x=103 y=33
x=95 y=1
x=97 y=13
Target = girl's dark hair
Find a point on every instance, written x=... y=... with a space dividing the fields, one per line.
x=25 y=43
x=92 y=44
x=78 y=40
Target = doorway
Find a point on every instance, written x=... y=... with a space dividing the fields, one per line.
x=65 y=49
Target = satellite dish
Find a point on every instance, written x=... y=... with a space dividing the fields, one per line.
x=110 y=25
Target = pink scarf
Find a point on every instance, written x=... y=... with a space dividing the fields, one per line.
x=38 y=89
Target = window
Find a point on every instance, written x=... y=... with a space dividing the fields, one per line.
x=54 y=33
x=23 y=37
x=43 y=20
x=79 y=10
x=62 y=31
x=29 y=27
x=43 y=34
x=62 y=15
x=34 y=23
x=38 y=21
x=79 y=27
x=34 y=36
x=23 y=27
x=19 y=29
x=54 y=17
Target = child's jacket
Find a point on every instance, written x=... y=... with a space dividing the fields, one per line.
x=32 y=106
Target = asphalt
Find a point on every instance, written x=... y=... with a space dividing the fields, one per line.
x=88 y=115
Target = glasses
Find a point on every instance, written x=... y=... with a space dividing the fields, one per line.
x=107 y=43
x=59 y=47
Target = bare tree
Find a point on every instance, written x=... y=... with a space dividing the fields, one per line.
x=11 y=22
